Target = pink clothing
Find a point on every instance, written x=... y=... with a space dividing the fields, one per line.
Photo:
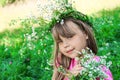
x=107 y=71
x=72 y=64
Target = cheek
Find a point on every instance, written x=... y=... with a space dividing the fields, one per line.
x=60 y=48
x=81 y=42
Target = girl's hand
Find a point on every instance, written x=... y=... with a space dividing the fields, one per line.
x=76 y=70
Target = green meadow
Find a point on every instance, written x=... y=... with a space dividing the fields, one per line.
x=25 y=53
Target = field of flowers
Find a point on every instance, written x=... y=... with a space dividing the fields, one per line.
x=25 y=53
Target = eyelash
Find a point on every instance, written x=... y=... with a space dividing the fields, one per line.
x=67 y=38
x=70 y=37
x=59 y=41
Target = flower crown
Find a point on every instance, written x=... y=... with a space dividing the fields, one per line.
x=68 y=12
x=55 y=11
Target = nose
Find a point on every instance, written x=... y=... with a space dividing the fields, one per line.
x=66 y=44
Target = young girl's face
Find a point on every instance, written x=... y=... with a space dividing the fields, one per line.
x=68 y=46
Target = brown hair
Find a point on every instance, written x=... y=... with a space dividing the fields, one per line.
x=65 y=31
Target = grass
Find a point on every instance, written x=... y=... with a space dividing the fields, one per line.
x=108 y=37
x=25 y=52
x=6 y=2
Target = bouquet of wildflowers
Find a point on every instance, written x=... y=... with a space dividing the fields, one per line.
x=92 y=68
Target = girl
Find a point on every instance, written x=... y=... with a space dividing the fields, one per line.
x=70 y=35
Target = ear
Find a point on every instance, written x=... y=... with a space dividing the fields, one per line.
x=86 y=36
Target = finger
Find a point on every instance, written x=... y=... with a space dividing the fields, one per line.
x=76 y=73
x=77 y=69
x=79 y=65
x=78 y=52
x=80 y=68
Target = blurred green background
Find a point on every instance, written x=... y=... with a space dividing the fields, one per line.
x=25 y=52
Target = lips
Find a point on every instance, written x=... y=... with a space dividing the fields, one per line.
x=69 y=51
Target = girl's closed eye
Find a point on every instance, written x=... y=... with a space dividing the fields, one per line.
x=59 y=41
x=71 y=37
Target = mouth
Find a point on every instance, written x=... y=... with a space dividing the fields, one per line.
x=69 y=51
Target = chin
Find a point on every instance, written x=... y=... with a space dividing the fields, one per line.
x=73 y=57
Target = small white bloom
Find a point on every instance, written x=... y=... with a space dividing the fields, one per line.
x=107 y=44
x=62 y=22
x=108 y=54
x=87 y=48
x=83 y=51
x=33 y=34
x=90 y=75
x=109 y=63
x=103 y=61
x=29 y=37
x=91 y=51
x=46 y=68
x=6 y=49
x=98 y=69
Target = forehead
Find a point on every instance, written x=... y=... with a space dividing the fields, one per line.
x=72 y=26
x=68 y=29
